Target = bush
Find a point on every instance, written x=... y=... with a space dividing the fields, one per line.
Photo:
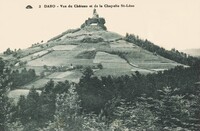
x=92 y=40
x=100 y=66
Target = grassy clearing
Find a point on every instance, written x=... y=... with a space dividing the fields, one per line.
x=108 y=36
x=63 y=47
x=76 y=36
x=98 y=46
x=138 y=55
x=61 y=62
x=111 y=61
x=147 y=60
x=74 y=77
x=60 y=75
x=113 y=72
x=157 y=65
x=113 y=65
x=35 y=55
x=41 y=53
x=15 y=94
x=83 y=62
x=121 y=44
x=142 y=71
x=30 y=50
x=37 y=84
x=70 y=31
x=55 y=58
x=116 y=72
x=102 y=57
x=64 y=74
x=90 y=54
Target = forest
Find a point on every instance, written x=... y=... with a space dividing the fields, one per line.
x=168 y=101
x=172 y=54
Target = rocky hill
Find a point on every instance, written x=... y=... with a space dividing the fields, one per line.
x=107 y=53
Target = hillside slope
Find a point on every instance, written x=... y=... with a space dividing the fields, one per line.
x=107 y=53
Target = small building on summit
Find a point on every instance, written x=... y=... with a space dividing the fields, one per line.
x=95 y=14
x=95 y=20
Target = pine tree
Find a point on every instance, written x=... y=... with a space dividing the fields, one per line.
x=67 y=115
x=2 y=65
x=134 y=116
x=88 y=72
x=49 y=86
x=46 y=107
x=172 y=110
x=194 y=120
x=7 y=109
x=30 y=110
x=21 y=109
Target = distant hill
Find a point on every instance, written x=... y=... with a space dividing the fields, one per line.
x=193 y=52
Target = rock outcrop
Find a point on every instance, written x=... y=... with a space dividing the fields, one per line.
x=95 y=20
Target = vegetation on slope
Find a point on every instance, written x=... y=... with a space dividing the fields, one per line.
x=167 y=100
x=173 y=54
x=90 y=54
x=17 y=78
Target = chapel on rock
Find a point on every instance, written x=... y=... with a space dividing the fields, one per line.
x=95 y=20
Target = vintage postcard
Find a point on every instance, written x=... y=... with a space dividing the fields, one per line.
x=126 y=65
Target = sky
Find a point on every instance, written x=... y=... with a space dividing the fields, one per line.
x=167 y=23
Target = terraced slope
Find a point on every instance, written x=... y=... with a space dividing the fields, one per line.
x=64 y=56
x=107 y=53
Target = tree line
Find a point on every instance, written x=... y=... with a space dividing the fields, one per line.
x=172 y=54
